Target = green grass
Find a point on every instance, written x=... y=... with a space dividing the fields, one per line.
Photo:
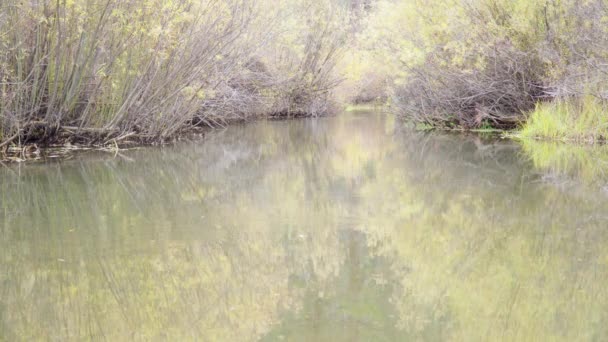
x=584 y=120
x=364 y=107
x=424 y=127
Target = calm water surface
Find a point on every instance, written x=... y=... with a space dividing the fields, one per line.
x=348 y=228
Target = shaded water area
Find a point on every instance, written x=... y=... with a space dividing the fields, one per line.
x=348 y=228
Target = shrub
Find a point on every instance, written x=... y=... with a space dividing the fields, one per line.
x=489 y=62
x=498 y=93
x=97 y=70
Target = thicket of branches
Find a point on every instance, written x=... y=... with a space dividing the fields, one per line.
x=95 y=71
x=489 y=62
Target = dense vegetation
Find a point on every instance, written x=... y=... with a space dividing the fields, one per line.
x=496 y=63
x=107 y=71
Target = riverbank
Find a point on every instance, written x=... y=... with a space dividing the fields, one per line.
x=74 y=142
x=577 y=121
x=573 y=122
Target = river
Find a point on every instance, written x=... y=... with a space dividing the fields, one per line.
x=346 y=228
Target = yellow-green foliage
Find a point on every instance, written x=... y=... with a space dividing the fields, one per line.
x=461 y=61
x=583 y=120
x=154 y=67
x=405 y=32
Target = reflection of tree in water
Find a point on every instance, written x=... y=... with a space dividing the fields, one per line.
x=353 y=306
x=327 y=230
x=489 y=249
x=101 y=249
x=570 y=164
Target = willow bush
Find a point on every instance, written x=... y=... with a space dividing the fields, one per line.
x=99 y=70
x=489 y=62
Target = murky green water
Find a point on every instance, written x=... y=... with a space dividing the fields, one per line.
x=337 y=229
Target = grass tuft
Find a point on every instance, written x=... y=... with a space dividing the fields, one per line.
x=582 y=120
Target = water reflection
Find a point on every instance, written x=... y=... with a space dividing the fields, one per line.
x=345 y=228
x=567 y=163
